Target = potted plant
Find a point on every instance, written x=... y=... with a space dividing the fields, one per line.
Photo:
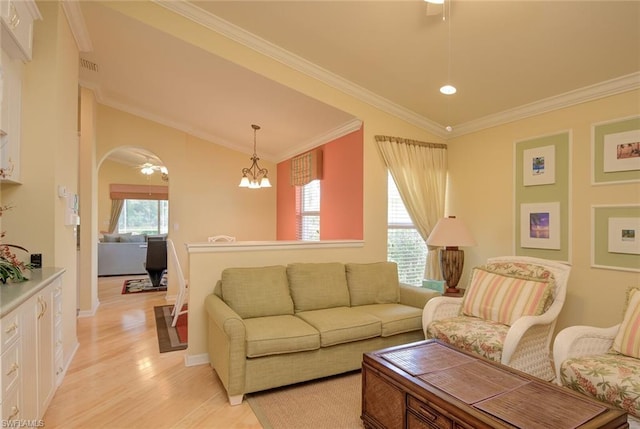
x=11 y=268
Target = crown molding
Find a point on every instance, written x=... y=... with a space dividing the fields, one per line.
x=298 y=63
x=32 y=7
x=342 y=130
x=237 y=34
x=607 y=88
x=77 y=24
x=162 y=120
x=346 y=128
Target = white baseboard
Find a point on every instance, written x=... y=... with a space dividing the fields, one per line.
x=66 y=364
x=89 y=313
x=193 y=360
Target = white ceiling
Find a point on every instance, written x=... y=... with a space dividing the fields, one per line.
x=508 y=59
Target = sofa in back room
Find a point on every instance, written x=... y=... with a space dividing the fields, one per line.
x=274 y=326
x=122 y=254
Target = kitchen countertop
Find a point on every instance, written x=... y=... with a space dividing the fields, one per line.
x=12 y=295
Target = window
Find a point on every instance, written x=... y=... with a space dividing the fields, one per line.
x=405 y=246
x=308 y=201
x=144 y=217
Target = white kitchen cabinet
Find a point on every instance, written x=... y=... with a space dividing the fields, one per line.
x=58 y=350
x=16 y=33
x=11 y=366
x=16 y=20
x=3 y=99
x=10 y=118
x=30 y=370
x=38 y=378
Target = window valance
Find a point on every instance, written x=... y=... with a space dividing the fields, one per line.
x=410 y=142
x=138 y=192
x=306 y=167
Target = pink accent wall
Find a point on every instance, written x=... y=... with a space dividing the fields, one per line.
x=285 y=204
x=341 y=192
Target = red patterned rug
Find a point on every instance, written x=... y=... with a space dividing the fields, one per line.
x=170 y=338
x=143 y=285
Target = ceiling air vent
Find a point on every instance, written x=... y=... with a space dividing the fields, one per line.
x=88 y=65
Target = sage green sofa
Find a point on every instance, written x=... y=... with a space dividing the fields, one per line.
x=274 y=326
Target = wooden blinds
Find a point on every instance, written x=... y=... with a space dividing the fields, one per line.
x=306 y=167
x=138 y=192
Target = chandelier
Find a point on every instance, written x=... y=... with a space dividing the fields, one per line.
x=254 y=177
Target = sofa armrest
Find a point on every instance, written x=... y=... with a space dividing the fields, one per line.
x=440 y=307
x=576 y=341
x=415 y=296
x=517 y=333
x=226 y=339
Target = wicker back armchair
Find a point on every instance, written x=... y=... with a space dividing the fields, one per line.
x=508 y=313
x=604 y=363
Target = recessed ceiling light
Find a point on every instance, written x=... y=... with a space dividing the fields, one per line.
x=435 y=1
x=448 y=90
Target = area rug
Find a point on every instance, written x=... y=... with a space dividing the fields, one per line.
x=333 y=402
x=170 y=339
x=143 y=285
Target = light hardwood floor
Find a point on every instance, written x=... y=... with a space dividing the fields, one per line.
x=118 y=379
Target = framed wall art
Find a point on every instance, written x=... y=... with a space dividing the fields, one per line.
x=539 y=166
x=615 y=147
x=622 y=151
x=624 y=235
x=615 y=241
x=542 y=184
x=540 y=225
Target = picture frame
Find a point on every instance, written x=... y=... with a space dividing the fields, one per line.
x=615 y=150
x=541 y=193
x=615 y=237
x=540 y=225
x=622 y=151
x=624 y=235
x=539 y=166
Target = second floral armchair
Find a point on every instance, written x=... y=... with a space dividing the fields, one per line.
x=508 y=313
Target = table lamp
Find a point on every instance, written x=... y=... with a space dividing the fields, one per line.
x=451 y=233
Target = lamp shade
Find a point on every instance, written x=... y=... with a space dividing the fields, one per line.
x=450 y=232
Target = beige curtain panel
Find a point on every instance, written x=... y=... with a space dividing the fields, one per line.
x=114 y=216
x=419 y=170
x=306 y=168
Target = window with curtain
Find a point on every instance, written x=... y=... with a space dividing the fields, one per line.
x=405 y=246
x=308 y=219
x=144 y=217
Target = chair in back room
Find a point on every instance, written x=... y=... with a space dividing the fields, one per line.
x=156 y=262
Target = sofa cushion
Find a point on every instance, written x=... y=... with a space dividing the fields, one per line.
x=479 y=336
x=134 y=238
x=114 y=238
x=375 y=283
x=395 y=318
x=341 y=325
x=279 y=334
x=611 y=378
x=504 y=292
x=316 y=286
x=627 y=341
x=257 y=291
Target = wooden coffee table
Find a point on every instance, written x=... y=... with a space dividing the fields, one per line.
x=431 y=385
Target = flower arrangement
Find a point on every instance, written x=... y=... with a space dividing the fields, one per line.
x=11 y=268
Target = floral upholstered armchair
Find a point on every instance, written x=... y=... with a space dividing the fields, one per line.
x=508 y=313
x=604 y=363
